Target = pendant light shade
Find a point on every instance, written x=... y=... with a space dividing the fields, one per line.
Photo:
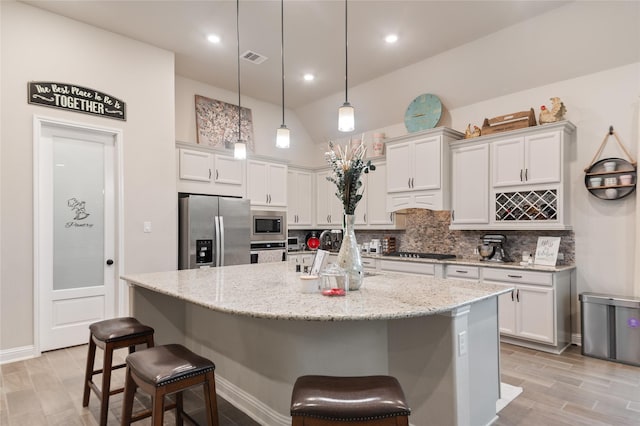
x=346 y=118
x=282 y=134
x=282 y=137
x=346 y=113
x=240 y=147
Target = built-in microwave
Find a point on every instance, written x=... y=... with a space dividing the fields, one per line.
x=268 y=225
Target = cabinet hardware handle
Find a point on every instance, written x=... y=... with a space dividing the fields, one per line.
x=412 y=185
x=266 y=196
x=526 y=174
x=514 y=276
x=520 y=175
x=409 y=183
x=328 y=219
x=209 y=173
x=512 y=295
x=462 y=272
x=365 y=217
x=518 y=295
x=216 y=174
x=453 y=215
x=391 y=217
x=109 y=262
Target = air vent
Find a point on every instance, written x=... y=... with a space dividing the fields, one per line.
x=253 y=57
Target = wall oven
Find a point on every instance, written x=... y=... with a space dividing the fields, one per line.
x=268 y=225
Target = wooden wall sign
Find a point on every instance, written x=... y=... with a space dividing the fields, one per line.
x=76 y=98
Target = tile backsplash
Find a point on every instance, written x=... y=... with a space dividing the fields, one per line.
x=428 y=231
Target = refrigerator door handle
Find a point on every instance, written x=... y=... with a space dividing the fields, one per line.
x=221 y=239
x=216 y=220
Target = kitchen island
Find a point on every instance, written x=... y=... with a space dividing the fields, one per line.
x=438 y=337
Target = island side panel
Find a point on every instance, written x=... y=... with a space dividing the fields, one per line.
x=166 y=314
x=484 y=364
x=258 y=360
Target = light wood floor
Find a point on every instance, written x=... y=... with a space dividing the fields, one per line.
x=566 y=389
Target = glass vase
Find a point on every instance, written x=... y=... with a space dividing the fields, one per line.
x=349 y=257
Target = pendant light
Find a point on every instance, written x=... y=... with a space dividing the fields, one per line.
x=346 y=113
x=240 y=147
x=282 y=134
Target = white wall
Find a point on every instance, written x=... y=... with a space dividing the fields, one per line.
x=37 y=45
x=266 y=119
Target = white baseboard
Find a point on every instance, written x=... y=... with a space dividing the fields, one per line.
x=576 y=339
x=17 y=354
x=251 y=406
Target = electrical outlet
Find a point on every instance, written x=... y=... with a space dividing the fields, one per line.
x=475 y=251
x=146 y=227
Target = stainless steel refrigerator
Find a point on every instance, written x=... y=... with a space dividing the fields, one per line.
x=212 y=231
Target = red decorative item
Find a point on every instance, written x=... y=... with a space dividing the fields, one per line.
x=334 y=292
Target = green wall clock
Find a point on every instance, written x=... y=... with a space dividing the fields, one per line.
x=423 y=112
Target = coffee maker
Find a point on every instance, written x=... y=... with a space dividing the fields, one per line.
x=492 y=248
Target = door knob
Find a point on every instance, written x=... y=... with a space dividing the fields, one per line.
x=109 y=261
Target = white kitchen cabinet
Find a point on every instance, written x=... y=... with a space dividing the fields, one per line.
x=207 y=172
x=267 y=184
x=300 y=199
x=528 y=180
x=462 y=272
x=418 y=170
x=527 y=159
x=470 y=184
x=408 y=267
x=536 y=313
x=329 y=209
x=371 y=212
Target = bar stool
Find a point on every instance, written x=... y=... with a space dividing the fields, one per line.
x=164 y=370
x=359 y=401
x=110 y=335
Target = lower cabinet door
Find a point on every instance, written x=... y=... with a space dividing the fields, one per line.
x=535 y=313
x=507 y=313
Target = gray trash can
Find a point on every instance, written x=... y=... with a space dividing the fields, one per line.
x=611 y=327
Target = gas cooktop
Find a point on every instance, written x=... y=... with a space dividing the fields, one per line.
x=415 y=255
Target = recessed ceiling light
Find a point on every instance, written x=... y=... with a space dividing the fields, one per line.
x=309 y=77
x=213 y=38
x=391 y=38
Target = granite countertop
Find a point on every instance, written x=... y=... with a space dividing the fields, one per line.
x=464 y=261
x=272 y=291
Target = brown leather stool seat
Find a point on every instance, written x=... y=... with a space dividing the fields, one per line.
x=109 y=335
x=365 y=400
x=164 y=370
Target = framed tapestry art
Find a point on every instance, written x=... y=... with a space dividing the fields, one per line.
x=217 y=123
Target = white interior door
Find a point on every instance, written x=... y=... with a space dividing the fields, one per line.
x=75 y=217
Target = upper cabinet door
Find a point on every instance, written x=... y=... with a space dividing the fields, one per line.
x=277 y=185
x=228 y=170
x=470 y=184
x=426 y=161
x=257 y=188
x=508 y=162
x=377 y=197
x=400 y=167
x=195 y=165
x=543 y=158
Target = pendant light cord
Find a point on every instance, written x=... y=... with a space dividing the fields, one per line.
x=238 y=39
x=282 y=52
x=346 y=56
